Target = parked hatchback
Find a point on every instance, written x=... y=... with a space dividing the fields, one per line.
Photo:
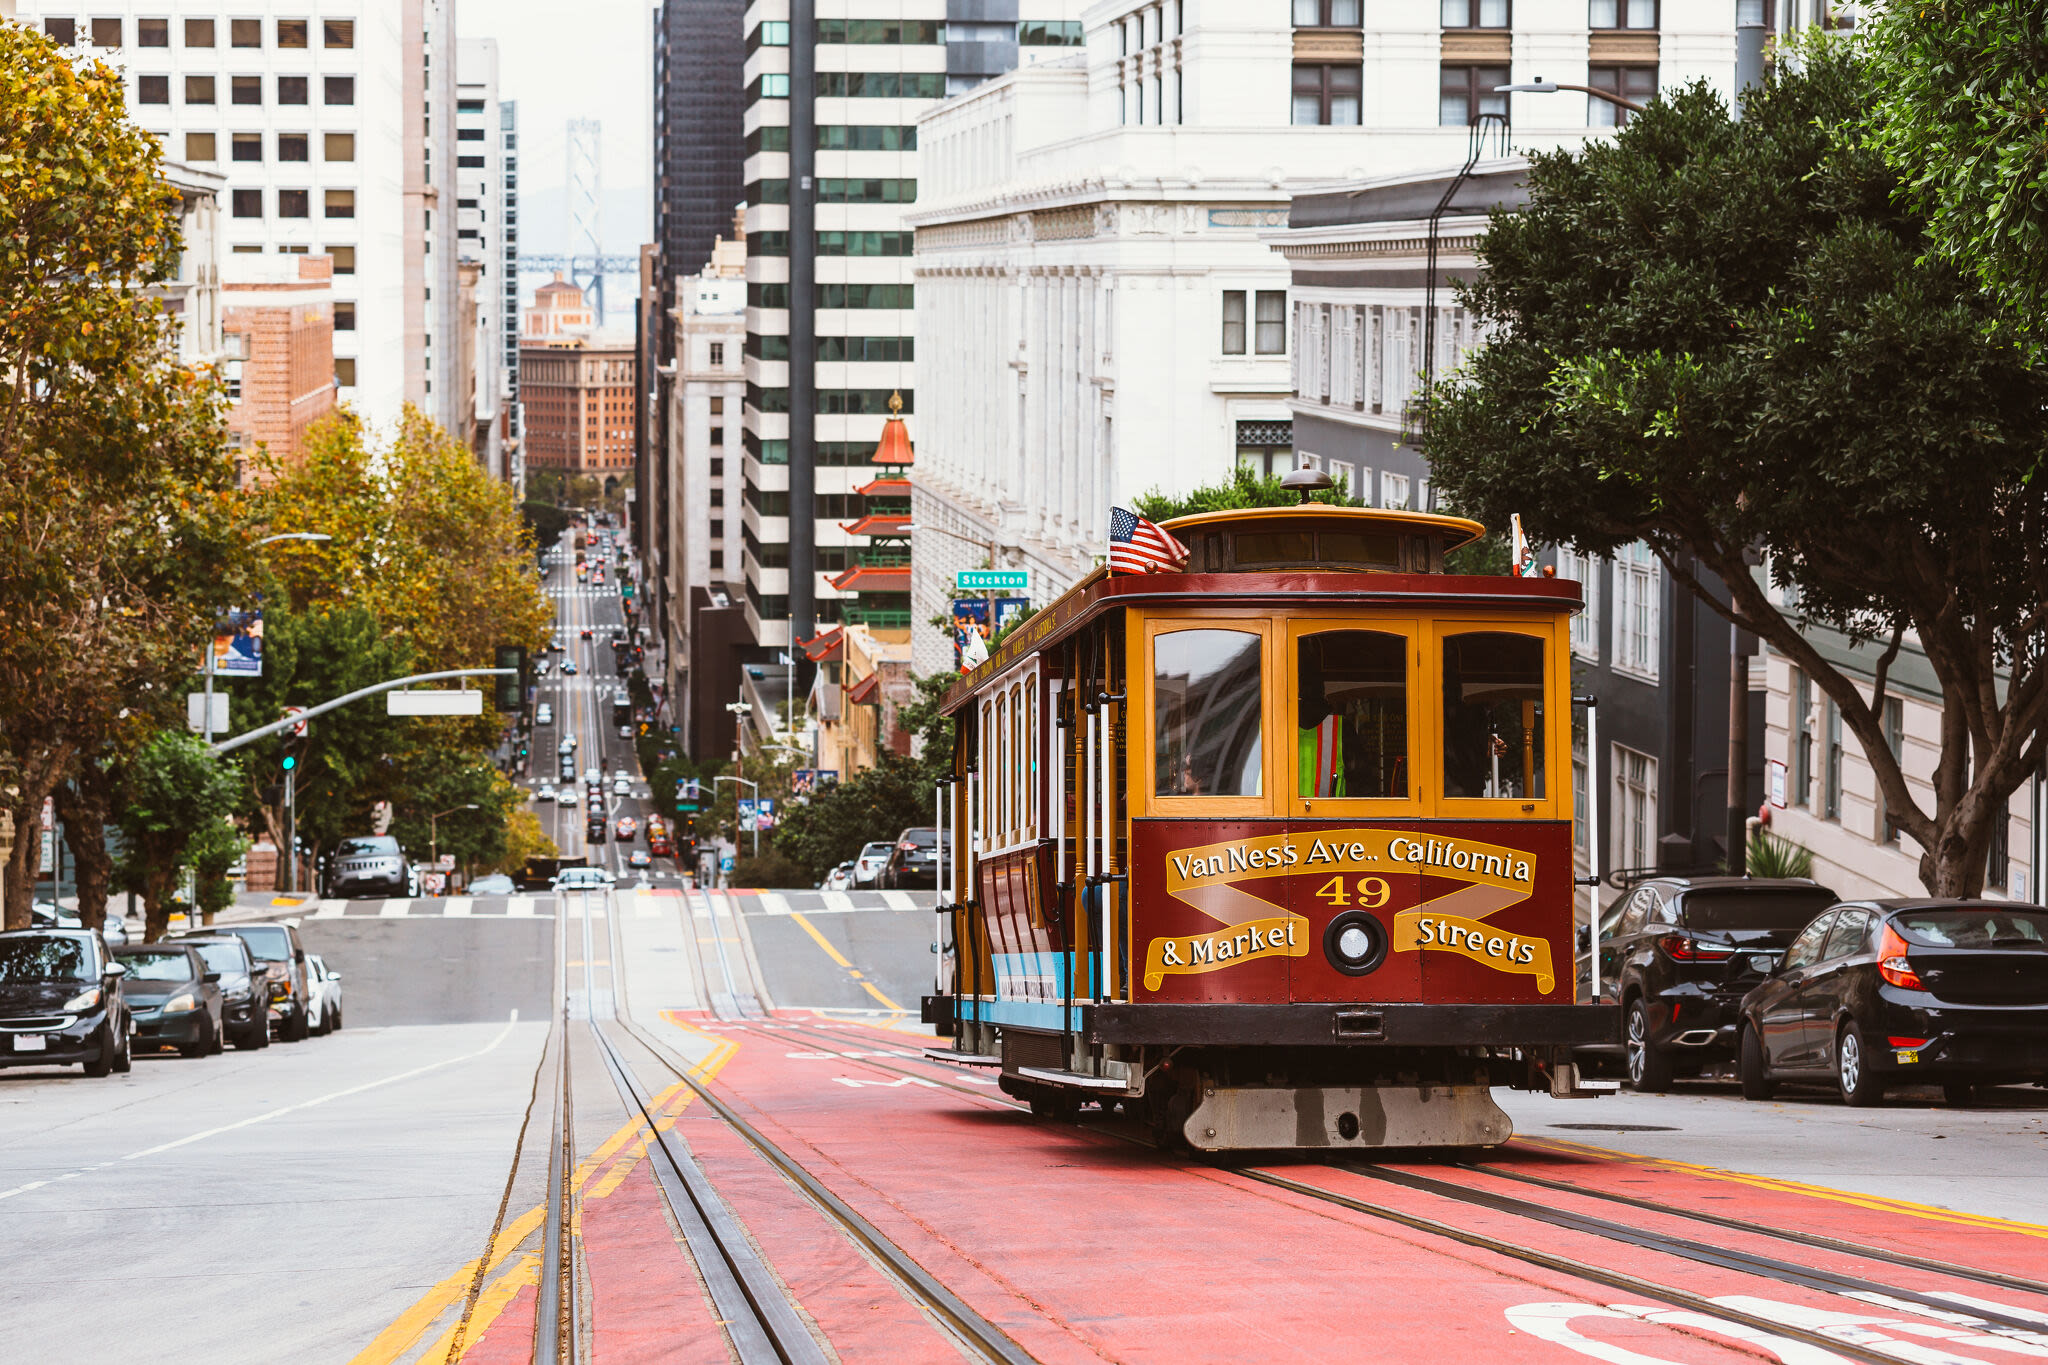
x=174 y=997
x=914 y=861
x=867 y=868
x=61 y=1002
x=1680 y=955
x=277 y=949
x=244 y=987
x=1880 y=993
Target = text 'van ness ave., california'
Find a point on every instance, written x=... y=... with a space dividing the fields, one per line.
x=1346 y=850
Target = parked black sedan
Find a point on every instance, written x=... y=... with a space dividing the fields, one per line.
x=1879 y=993
x=175 y=998
x=61 y=1002
x=914 y=861
x=1679 y=955
x=244 y=987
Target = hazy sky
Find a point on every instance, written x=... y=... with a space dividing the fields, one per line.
x=589 y=59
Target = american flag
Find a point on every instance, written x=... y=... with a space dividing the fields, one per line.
x=1138 y=546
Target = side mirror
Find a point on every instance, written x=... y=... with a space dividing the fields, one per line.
x=299 y=956
x=334 y=976
x=116 y=969
x=212 y=976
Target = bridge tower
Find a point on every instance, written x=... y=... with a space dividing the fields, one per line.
x=586 y=210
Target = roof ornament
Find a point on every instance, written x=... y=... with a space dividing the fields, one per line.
x=1307 y=481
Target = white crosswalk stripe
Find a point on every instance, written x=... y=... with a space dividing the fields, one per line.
x=898 y=900
x=396 y=909
x=520 y=907
x=330 y=908
x=838 y=900
x=458 y=906
x=773 y=904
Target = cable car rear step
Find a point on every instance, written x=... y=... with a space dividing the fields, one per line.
x=947 y=1054
x=1265 y=1118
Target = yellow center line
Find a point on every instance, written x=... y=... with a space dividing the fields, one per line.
x=489 y=1304
x=835 y=955
x=1877 y=1202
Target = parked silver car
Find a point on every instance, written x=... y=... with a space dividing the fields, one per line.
x=323 y=990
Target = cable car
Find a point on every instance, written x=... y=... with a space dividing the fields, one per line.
x=1274 y=851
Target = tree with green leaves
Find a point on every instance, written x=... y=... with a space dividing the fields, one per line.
x=1244 y=488
x=1729 y=339
x=122 y=526
x=875 y=803
x=1962 y=114
x=175 y=797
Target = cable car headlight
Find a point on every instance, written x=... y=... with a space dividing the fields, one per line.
x=1355 y=943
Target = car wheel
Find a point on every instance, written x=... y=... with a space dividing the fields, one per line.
x=1959 y=1094
x=335 y=1026
x=292 y=1029
x=1756 y=1072
x=124 y=1060
x=104 y=1063
x=200 y=1048
x=220 y=1036
x=1649 y=1066
x=1860 y=1085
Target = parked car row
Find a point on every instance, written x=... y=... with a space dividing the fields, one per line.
x=70 y=998
x=1795 y=985
x=909 y=860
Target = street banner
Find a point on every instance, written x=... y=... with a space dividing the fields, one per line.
x=238 y=644
x=764 y=814
x=745 y=810
x=971 y=616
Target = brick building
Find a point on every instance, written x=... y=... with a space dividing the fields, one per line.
x=578 y=404
x=279 y=315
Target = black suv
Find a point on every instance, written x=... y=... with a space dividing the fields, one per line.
x=1678 y=955
x=281 y=968
x=373 y=865
x=914 y=861
x=61 y=1002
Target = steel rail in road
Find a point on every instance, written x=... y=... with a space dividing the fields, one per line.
x=557 y=1308
x=970 y=1329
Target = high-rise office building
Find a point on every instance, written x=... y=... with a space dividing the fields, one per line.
x=480 y=227
x=508 y=283
x=324 y=130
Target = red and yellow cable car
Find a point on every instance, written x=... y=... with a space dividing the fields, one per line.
x=1275 y=851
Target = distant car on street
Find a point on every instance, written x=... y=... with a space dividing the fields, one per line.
x=61 y=1002
x=496 y=884
x=568 y=666
x=546 y=792
x=1888 y=992
x=914 y=860
x=839 y=878
x=244 y=992
x=543 y=714
x=867 y=867
x=639 y=857
x=628 y=829
x=324 y=983
x=622 y=785
x=594 y=828
x=174 y=997
x=277 y=949
x=586 y=632
x=625 y=732
x=565 y=795
x=582 y=879
x=369 y=865
x=1679 y=954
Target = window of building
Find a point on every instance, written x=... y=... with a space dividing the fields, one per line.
x=718 y=527
x=1208 y=713
x=292 y=33
x=1581 y=808
x=344 y=259
x=770 y=85
x=1233 y=322
x=1894 y=721
x=292 y=89
x=199 y=90
x=1622 y=14
x=106 y=33
x=1271 y=318
x=200 y=147
x=1998 y=858
x=1326 y=14
x=294 y=204
x=718 y=497
x=769 y=33
x=1802 y=738
x=1326 y=94
x=869 y=31
x=340 y=203
x=334 y=146
x=885 y=85
x=842 y=190
x=717 y=355
x=718 y=559
x=199 y=33
x=717 y=405
x=241 y=249
x=1638 y=610
x=1635 y=83
x=152 y=33
x=1635 y=809
x=1396 y=490
x=1468 y=92
x=1049 y=33
x=469 y=135
x=345 y=371
x=1475 y=14
x=1585 y=570
x=64 y=32
x=247 y=203
x=344 y=317
x=153 y=90
x=1831 y=775
x=1493 y=716
x=245 y=33
x=339 y=89
x=246 y=147
x=245 y=89
x=338 y=32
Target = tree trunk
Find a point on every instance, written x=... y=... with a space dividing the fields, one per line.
x=22 y=866
x=82 y=805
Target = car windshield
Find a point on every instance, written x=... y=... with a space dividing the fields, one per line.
x=1785 y=910
x=1976 y=927
x=25 y=960
x=363 y=848
x=923 y=838
x=270 y=944
x=157 y=966
x=875 y=851
x=225 y=958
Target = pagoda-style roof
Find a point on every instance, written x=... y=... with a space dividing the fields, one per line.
x=866 y=690
x=878 y=524
x=889 y=485
x=826 y=647
x=894 y=447
x=874 y=578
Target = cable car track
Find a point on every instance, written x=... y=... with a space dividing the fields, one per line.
x=1859 y=1289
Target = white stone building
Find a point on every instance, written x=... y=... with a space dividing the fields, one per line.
x=704 y=442
x=324 y=130
x=1098 y=313
x=481 y=225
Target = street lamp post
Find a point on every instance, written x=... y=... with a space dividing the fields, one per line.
x=434 y=830
x=206 y=724
x=1539 y=86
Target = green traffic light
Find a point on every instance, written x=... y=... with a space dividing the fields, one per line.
x=290 y=763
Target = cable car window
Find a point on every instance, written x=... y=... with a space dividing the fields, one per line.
x=1266 y=549
x=1493 y=716
x=1379 y=549
x=1351 y=716
x=1207 y=713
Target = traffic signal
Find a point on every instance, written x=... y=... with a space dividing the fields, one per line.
x=511 y=691
x=289 y=762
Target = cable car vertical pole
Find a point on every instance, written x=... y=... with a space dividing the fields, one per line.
x=1594 y=841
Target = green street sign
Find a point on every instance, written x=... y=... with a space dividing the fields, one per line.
x=992 y=580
